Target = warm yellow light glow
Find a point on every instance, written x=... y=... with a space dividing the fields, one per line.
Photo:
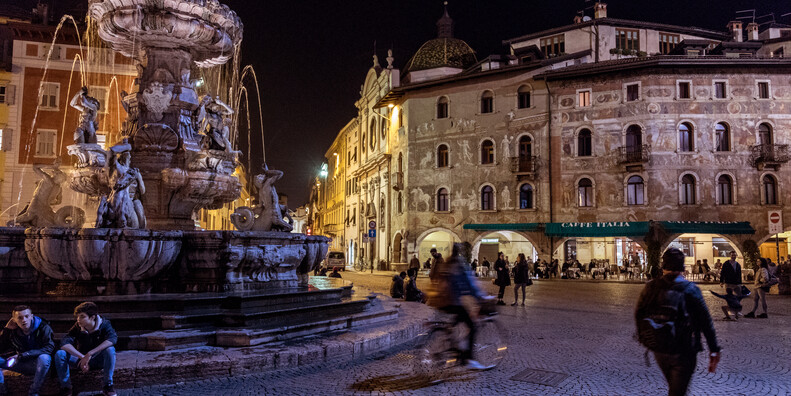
x=394 y=115
x=390 y=106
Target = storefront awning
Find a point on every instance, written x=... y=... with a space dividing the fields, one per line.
x=598 y=229
x=706 y=227
x=502 y=227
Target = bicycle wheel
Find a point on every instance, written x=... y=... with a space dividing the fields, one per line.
x=434 y=352
x=490 y=342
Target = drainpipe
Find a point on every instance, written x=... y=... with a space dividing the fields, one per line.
x=549 y=158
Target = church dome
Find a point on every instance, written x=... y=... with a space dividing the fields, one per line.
x=442 y=52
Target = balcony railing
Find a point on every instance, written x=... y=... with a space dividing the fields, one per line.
x=524 y=165
x=769 y=155
x=634 y=154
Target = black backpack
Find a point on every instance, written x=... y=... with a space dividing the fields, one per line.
x=667 y=327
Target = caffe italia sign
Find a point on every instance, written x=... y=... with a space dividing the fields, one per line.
x=599 y=228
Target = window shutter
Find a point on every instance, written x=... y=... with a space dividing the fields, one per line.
x=8 y=134
x=10 y=94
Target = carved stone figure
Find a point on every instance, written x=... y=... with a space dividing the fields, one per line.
x=464 y=145
x=215 y=116
x=88 y=107
x=157 y=99
x=48 y=193
x=505 y=198
x=268 y=214
x=122 y=208
x=505 y=145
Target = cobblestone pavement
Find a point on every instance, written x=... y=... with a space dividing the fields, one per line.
x=581 y=331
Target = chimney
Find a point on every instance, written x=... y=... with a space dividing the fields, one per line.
x=752 y=31
x=600 y=10
x=577 y=20
x=736 y=30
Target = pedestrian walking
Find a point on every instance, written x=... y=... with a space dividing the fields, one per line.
x=503 y=277
x=486 y=266
x=414 y=263
x=762 y=286
x=731 y=275
x=521 y=278
x=474 y=266
x=671 y=315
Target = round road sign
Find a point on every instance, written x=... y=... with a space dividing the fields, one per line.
x=372 y=224
x=774 y=218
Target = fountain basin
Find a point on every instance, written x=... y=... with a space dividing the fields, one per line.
x=207 y=28
x=101 y=253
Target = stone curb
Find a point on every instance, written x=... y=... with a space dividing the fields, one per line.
x=136 y=369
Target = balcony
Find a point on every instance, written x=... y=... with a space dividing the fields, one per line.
x=524 y=167
x=398 y=181
x=769 y=156
x=633 y=157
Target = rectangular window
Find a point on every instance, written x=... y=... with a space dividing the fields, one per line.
x=49 y=95
x=100 y=94
x=487 y=105
x=763 y=90
x=686 y=245
x=442 y=110
x=667 y=42
x=585 y=196
x=627 y=39
x=632 y=92
x=524 y=100
x=584 y=98
x=720 y=90
x=553 y=46
x=45 y=142
x=684 y=90
x=2 y=93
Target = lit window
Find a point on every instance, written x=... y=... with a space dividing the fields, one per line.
x=686 y=137
x=723 y=138
x=584 y=98
x=585 y=192
x=553 y=46
x=526 y=196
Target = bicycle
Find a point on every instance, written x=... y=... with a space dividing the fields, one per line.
x=440 y=346
x=360 y=266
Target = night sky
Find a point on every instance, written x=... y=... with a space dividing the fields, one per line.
x=311 y=57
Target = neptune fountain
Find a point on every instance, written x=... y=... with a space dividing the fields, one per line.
x=143 y=258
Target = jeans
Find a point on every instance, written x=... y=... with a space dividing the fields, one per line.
x=37 y=366
x=104 y=361
x=678 y=371
x=462 y=316
x=759 y=294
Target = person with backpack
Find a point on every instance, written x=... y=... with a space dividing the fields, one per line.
x=763 y=282
x=671 y=315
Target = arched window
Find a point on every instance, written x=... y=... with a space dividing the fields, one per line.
x=525 y=148
x=688 y=190
x=523 y=97
x=725 y=190
x=634 y=139
x=584 y=143
x=585 y=192
x=442 y=200
x=770 y=190
x=400 y=162
x=487 y=198
x=442 y=107
x=635 y=191
x=487 y=102
x=442 y=156
x=383 y=127
x=686 y=137
x=372 y=134
x=487 y=152
x=722 y=137
x=764 y=134
x=526 y=196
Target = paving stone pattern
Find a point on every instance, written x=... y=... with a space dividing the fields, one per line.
x=581 y=329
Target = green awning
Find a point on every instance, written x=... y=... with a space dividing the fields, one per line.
x=598 y=229
x=708 y=227
x=502 y=227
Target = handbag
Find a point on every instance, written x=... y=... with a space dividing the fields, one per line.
x=529 y=282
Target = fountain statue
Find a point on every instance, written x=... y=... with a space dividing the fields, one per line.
x=268 y=214
x=123 y=208
x=88 y=107
x=48 y=193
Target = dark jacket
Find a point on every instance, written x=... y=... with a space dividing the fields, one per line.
x=521 y=272
x=733 y=300
x=696 y=308
x=414 y=263
x=503 y=279
x=397 y=287
x=730 y=275
x=450 y=281
x=84 y=341
x=412 y=292
x=37 y=342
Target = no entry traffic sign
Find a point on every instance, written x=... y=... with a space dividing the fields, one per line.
x=775 y=221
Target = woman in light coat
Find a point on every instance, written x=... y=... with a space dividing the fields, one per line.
x=761 y=288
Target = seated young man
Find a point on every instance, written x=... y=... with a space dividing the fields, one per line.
x=89 y=345
x=30 y=338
